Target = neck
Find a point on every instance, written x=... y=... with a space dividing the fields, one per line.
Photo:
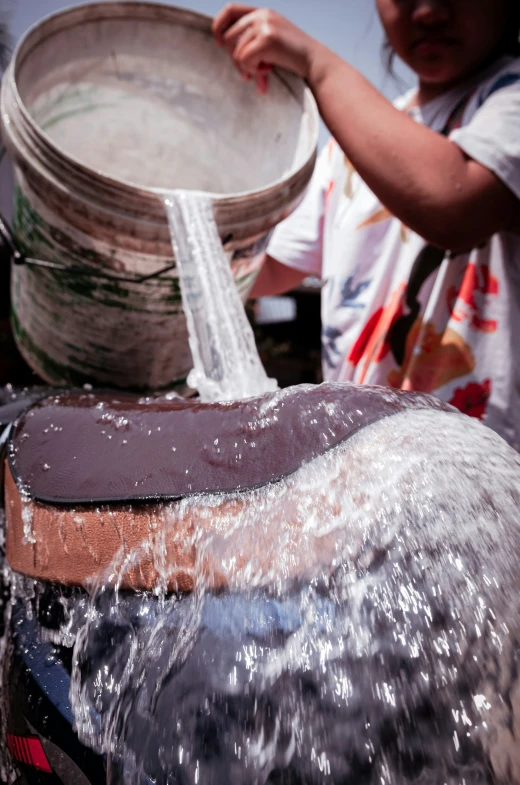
x=429 y=90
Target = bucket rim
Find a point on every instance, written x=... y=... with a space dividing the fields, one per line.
x=203 y=23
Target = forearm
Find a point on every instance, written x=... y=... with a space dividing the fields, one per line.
x=275 y=278
x=420 y=176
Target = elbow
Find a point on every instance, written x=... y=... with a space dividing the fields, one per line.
x=452 y=241
x=452 y=233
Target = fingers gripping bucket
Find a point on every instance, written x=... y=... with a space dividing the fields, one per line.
x=104 y=107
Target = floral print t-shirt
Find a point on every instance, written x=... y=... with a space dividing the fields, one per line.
x=398 y=312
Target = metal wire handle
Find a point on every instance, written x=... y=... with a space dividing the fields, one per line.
x=19 y=258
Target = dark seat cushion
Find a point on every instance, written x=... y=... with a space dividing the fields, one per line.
x=90 y=449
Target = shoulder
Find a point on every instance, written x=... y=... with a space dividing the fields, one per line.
x=494 y=101
x=504 y=76
x=489 y=130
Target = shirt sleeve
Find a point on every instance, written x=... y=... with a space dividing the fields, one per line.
x=298 y=241
x=492 y=137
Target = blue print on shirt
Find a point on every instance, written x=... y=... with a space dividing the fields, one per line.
x=330 y=352
x=351 y=293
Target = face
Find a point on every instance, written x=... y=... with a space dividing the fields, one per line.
x=443 y=41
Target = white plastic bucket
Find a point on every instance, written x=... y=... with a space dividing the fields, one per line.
x=104 y=106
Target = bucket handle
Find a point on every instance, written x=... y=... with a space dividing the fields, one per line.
x=19 y=258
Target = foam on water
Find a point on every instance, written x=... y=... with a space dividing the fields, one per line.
x=226 y=362
x=369 y=628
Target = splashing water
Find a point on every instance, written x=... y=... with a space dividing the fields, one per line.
x=226 y=362
x=355 y=623
x=369 y=630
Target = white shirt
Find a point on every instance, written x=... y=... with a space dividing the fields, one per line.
x=444 y=326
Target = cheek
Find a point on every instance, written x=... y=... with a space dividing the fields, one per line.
x=393 y=22
x=388 y=13
x=485 y=22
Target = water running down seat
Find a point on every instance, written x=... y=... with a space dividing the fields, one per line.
x=92 y=477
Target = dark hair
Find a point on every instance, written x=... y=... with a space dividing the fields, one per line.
x=388 y=56
x=5 y=46
x=510 y=43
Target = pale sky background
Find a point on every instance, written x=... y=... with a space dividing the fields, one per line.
x=349 y=27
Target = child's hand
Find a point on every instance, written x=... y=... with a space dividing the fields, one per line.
x=257 y=39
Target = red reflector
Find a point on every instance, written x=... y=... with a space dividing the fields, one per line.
x=28 y=750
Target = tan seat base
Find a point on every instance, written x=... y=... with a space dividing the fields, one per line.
x=83 y=545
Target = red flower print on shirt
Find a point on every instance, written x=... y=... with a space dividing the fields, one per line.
x=469 y=301
x=472 y=399
x=372 y=344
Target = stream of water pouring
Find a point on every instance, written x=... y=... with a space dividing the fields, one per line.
x=226 y=362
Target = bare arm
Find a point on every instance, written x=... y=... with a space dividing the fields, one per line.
x=424 y=179
x=276 y=278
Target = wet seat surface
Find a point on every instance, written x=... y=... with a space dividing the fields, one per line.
x=87 y=448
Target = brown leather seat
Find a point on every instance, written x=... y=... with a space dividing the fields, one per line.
x=128 y=489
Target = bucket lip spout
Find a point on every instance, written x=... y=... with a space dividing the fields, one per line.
x=144 y=9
